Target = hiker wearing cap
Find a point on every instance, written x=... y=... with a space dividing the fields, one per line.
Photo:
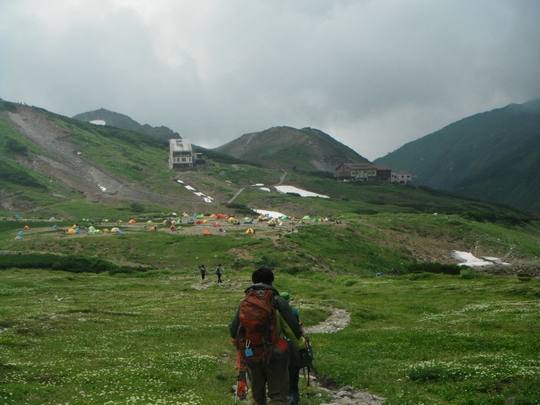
x=294 y=370
x=258 y=329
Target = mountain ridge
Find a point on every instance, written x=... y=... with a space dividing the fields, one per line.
x=284 y=147
x=110 y=165
x=460 y=152
x=125 y=122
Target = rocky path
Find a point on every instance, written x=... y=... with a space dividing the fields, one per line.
x=334 y=323
x=337 y=321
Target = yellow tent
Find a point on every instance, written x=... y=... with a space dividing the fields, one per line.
x=71 y=231
x=250 y=231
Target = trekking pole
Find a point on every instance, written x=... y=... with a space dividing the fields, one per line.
x=307 y=385
x=236 y=393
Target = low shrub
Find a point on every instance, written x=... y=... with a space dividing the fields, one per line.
x=348 y=282
x=70 y=263
x=293 y=270
x=434 y=267
x=127 y=270
x=468 y=273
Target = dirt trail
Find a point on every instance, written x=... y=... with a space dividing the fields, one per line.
x=337 y=321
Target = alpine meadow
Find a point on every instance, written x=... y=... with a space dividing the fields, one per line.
x=102 y=301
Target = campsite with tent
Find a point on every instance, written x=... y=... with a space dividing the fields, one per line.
x=196 y=223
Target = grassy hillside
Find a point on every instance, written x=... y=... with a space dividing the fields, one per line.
x=286 y=148
x=512 y=180
x=470 y=147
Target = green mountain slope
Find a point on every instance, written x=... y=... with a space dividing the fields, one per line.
x=57 y=166
x=469 y=147
x=122 y=121
x=305 y=149
x=513 y=179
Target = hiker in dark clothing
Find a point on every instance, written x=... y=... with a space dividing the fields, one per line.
x=266 y=363
x=294 y=369
x=219 y=272
x=203 y=271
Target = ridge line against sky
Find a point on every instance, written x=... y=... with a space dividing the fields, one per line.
x=373 y=74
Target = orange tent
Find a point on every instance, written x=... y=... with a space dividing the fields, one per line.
x=132 y=221
x=26 y=228
x=206 y=232
x=152 y=228
x=217 y=224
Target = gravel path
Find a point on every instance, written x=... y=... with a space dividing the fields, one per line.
x=337 y=321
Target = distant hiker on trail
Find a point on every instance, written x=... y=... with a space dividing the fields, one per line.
x=219 y=272
x=203 y=271
x=261 y=321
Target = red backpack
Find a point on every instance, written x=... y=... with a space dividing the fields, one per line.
x=257 y=334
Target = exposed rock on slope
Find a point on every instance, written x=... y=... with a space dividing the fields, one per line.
x=65 y=164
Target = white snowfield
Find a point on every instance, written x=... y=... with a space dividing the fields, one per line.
x=206 y=198
x=98 y=122
x=272 y=214
x=467 y=259
x=303 y=193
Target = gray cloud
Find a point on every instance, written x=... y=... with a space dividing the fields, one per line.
x=372 y=74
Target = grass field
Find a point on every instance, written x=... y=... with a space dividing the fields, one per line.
x=160 y=336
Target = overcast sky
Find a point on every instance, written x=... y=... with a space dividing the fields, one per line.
x=373 y=74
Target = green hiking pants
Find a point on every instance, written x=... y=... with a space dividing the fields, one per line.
x=274 y=376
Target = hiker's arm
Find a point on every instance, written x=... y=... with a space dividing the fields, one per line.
x=288 y=316
x=287 y=331
x=233 y=326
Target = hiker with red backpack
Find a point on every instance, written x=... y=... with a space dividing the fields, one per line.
x=258 y=329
